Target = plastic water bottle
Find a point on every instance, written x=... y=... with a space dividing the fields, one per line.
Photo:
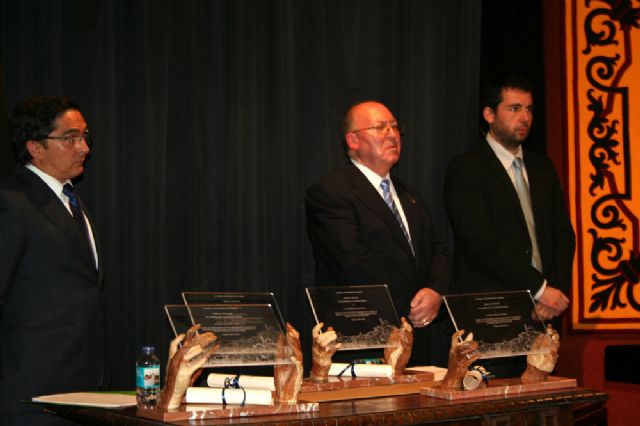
x=147 y=378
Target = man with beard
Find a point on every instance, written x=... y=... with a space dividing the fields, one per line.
x=366 y=227
x=507 y=212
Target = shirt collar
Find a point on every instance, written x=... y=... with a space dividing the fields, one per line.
x=505 y=157
x=51 y=182
x=372 y=176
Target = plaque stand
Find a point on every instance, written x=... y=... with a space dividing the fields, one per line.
x=498 y=388
x=464 y=352
x=186 y=363
x=209 y=411
x=348 y=382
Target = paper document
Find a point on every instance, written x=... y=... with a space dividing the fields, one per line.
x=201 y=395
x=438 y=372
x=216 y=380
x=89 y=399
x=361 y=370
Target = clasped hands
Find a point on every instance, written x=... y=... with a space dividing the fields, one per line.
x=424 y=307
x=551 y=304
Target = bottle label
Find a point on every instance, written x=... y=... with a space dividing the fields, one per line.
x=148 y=377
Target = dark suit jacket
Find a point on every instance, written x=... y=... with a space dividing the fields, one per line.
x=357 y=240
x=51 y=315
x=493 y=248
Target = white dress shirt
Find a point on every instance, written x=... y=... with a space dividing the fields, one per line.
x=56 y=187
x=375 y=180
x=506 y=159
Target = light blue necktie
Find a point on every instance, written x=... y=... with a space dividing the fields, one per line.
x=525 y=202
x=386 y=193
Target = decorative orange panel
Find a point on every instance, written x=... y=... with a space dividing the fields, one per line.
x=603 y=141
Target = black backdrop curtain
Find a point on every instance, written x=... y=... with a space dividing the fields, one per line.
x=211 y=118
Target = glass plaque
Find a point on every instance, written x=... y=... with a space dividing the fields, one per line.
x=233 y=298
x=501 y=322
x=179 y=318
x=247 y=333
x=362 y=316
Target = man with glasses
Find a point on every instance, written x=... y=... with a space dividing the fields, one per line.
x=366 y=227
x=51 y=316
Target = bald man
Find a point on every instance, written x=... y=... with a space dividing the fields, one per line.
x=366 y=227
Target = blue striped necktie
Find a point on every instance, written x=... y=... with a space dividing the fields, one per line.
x=386 y=194
x=76 y=212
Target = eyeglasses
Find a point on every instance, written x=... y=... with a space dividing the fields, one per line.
x=381 y=128
x=73 y=139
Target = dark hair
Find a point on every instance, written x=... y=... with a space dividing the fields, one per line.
x=491 y=92
x=33 y=119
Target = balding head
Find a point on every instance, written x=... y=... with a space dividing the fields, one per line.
x=372 y=136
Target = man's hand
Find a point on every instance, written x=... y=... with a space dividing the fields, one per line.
x=551 y=303
x=543 y=313
x=553 y=300
x=424 y=307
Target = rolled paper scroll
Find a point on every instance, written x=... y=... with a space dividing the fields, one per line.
x=202 y=395
x=216 y=380
x=472 y=380
x=361 y=370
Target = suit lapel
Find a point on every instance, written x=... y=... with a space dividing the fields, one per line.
x=95 y=241
x=53 y=209
x=372 y=199
x=502 y=177
x=412 y=214
x=535 y=176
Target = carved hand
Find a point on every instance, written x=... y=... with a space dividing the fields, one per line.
x=401 y=340
x=460 y=358
x=323 y=347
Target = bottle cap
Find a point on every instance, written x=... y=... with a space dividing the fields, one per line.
x=148 y=349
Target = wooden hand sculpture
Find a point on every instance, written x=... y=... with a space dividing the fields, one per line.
x=460 y=358
x=401 y=341
x=323 y=348
x=185 y=364
x=288 y=377
x=539 y=366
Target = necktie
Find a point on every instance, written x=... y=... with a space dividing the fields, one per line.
x=525 y=202
x=76 y=212
x=386 y=194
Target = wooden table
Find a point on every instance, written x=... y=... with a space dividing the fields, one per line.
x=578 y=406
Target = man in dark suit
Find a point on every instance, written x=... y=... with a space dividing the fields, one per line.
x=51 y=315
x=358 y=237
x=506 y=240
